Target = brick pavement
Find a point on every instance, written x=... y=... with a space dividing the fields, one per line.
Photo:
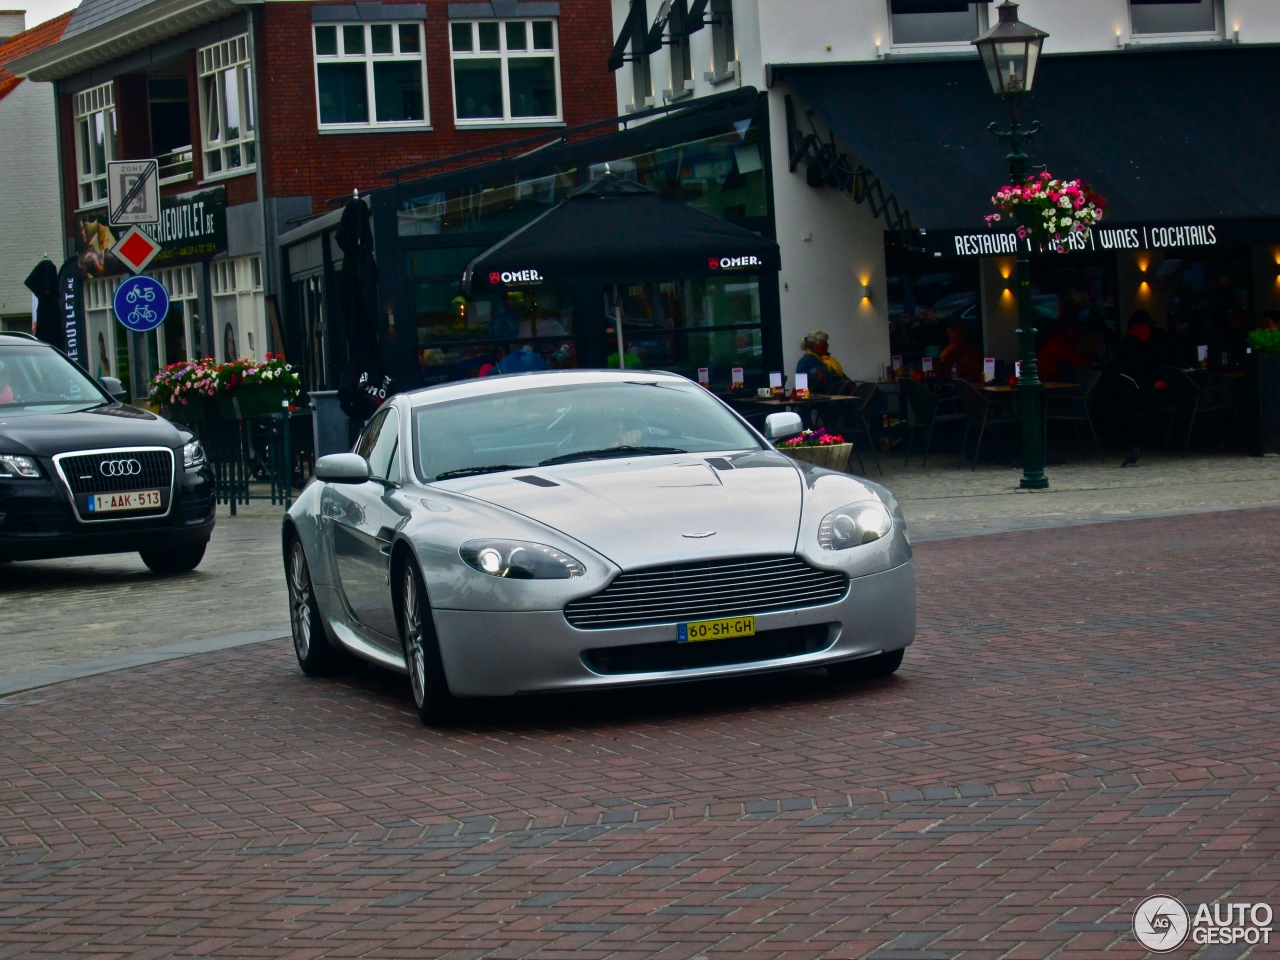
x=1089 y=715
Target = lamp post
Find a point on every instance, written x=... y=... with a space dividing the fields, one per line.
x=1011 y=52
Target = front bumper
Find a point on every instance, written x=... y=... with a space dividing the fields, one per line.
x=38 y=522
x=500 y=654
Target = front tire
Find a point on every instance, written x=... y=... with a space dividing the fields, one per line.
x=436 y=705
x=868 y=668
x=315 y=656
x=180 y=559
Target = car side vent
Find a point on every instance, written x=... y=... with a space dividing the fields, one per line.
x=720 y=463
x=537 y=481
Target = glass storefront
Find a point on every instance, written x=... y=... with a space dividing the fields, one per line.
x=428 y=230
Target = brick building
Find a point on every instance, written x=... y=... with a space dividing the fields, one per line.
x=263 y=114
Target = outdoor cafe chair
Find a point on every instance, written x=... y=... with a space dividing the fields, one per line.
x=1192 y=397
x=981 y=412
x=1074 y=407
x=925 y=412
x=851 y=420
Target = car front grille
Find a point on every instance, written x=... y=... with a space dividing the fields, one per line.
x=91 y=472
x=706 y=590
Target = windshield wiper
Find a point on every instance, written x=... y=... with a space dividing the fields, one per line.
x=475 y=471
x=608 y=453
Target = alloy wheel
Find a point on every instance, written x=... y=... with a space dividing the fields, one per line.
x=413 y=635
x=300 y=601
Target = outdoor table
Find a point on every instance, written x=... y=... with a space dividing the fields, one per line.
x=813 y=406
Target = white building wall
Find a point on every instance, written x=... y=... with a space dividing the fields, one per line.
x=28 y=192
x=821 y=278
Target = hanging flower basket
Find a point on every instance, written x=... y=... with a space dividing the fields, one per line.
x=1047 y=211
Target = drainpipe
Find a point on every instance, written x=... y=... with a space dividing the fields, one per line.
x=268 y=273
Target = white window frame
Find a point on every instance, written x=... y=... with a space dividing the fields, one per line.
x=180 y=283
x=962 y=43
x=724 y=45
x=369 y=58
x=92 y=105
x=240 y=280
x=1183 y=36
x=226 y=156
x=506 y=57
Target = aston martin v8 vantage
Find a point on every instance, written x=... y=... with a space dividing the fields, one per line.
x=574 y=530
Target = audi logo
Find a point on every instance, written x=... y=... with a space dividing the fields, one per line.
x=119 y=468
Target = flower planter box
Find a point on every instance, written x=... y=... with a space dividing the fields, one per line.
x=195 y=410
x=252 y=400
x=833 y=456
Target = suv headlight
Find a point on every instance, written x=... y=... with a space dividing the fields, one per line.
x=520 y=560
x=193 y=454
x=13 y=466
x=854 y=524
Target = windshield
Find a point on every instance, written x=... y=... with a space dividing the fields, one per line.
x=36 y=376
x=565 y=423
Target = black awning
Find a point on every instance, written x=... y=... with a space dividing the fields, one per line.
x=1165 y=135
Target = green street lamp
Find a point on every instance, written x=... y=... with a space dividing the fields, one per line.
x=1011 y=53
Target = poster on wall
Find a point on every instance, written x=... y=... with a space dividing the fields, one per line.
x=192 y=228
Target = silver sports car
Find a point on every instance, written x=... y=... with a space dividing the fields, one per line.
x=573 y=530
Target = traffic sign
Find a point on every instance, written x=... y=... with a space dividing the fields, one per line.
x=141 y=303
x=133 y=191
x=135 y=249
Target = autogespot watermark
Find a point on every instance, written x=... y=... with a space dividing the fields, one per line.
x=1163 y=924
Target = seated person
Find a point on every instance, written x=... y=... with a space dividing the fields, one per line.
x=959 y=356
x=816 y=362
x=1058 y=352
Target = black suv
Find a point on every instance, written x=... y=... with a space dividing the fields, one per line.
x=83 y=473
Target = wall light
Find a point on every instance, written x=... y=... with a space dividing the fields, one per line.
x=866 y=290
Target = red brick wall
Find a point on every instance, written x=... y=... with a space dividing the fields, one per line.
x=301 y=161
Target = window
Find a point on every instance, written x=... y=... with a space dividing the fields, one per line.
x=370 y=75
x=724 y=48
x=108 y=354
x=226 y=107
x=505 y=70
x=239 y=310
x=95 y=120
x=935 y=21
x=380 y=445
x=1174 y=16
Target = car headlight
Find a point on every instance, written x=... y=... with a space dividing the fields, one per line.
x=193 y=454
x=13 y=466
x=520 y=560
x=854 y=524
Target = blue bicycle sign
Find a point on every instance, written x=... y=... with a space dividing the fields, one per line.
x=141 y=303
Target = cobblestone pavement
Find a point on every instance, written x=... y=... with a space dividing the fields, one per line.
x=1089 y=715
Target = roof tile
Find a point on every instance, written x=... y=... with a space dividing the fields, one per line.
x=29 y=41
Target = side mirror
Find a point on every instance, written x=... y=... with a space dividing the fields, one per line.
x=342 y=468
x=778 y=426
x=114 y=387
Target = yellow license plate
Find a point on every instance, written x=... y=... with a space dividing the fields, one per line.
x=133 y=500
x=726 y=629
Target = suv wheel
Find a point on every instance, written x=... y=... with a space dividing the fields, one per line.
x=180 y=559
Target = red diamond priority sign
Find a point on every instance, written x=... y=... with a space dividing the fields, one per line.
x=135 y=249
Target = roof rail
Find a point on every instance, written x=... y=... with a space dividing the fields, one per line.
x=18 y=333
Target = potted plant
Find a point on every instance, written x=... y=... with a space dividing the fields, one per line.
x=249 y=387
x=1262 y=392
x=185 y=391
x=818 y=447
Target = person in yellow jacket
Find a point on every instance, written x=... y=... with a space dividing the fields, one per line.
x=824 y=370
